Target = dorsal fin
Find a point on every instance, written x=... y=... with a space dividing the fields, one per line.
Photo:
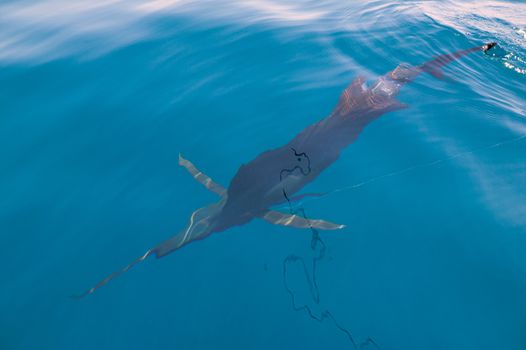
x=385 y=103
x=349 y=96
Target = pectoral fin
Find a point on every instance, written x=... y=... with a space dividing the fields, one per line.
x=278 y=218
x=203 y=179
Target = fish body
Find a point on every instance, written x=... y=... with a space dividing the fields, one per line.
x=277 y=175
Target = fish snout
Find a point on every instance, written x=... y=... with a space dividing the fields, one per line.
x=488 y=46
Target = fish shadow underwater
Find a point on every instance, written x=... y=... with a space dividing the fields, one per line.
x=276 y=176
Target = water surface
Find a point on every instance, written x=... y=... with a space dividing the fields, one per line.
x=98 y=99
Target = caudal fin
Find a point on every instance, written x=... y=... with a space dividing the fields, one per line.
x=199 y=227
x=113 y=275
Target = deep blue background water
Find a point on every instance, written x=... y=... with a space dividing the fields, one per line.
x=97 y=100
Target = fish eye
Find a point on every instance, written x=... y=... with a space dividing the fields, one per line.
x=299 y=159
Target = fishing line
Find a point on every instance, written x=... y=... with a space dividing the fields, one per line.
x=316 y=240
x=290 y=171
x=311 y=278
x=414 y=167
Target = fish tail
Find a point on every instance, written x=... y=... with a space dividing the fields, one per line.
x=114 y=275
x=198 y=228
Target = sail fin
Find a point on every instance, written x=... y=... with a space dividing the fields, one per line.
x=350 y=95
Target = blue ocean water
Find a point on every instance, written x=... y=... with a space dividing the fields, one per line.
x=97 y=99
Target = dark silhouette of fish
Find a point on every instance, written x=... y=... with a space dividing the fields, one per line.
x=275 y=176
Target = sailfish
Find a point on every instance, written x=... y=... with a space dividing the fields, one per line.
x=277 y=175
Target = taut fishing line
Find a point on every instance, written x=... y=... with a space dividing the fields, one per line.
x=319 y=248
x=414 y=167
